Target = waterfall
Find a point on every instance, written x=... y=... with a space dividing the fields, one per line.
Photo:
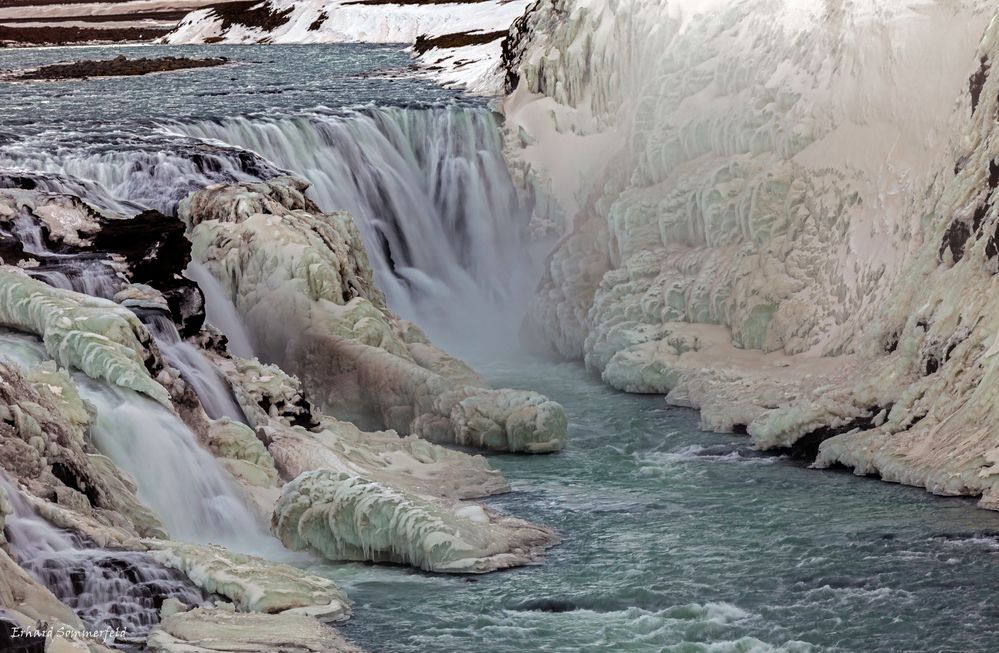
x=220 y=312
x=213 y=391
x=107 y=589
x=429 y=189
x=153 y=172
x=92 y=278
x=183 y=484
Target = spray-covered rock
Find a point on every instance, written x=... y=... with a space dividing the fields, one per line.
x=303 y=284
x=345 y=517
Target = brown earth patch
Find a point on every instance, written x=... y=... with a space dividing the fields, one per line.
x=456 y=40
x=65 y=35
x=248 y=14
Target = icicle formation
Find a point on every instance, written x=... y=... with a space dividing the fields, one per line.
x=430 y=192
x=347 y=517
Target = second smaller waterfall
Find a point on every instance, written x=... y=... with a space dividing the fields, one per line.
x=107 y=589
x=180 y=481
x=213 y=391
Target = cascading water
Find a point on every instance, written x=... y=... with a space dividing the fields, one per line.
x=445 y=230
x=107 y=589
x=215 y=394
x=430 y=191
x=155 y=173
x=220 y=311
x=87 y=277
x=180 y=481
x=67 y=271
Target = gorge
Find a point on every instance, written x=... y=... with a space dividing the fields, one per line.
x=296 y=350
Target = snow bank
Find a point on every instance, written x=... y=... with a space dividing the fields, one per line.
x=462 y=40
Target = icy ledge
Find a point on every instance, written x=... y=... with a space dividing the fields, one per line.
x=302 y=283
x=346 y=517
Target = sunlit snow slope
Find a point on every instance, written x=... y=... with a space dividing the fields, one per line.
x=459 y=42
x=779 y=212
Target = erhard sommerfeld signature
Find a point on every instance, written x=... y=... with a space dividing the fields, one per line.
x=105 y=634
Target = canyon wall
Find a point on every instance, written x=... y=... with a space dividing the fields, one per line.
x=777 y=212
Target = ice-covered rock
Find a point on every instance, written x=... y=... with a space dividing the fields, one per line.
x=349 y=517
x=780 y=213
x=93 y=335
x=409 y=462
x=302 y=283
x=252 y=584
x=43 y=423
x=221 y=629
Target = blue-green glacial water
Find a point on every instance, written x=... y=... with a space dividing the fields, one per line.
x=683 y=541
x=672 y=539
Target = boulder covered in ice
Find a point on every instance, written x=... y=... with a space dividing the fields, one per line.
x=251 y=583
x=349 y=517
x=221 y=628
x=302 y=282
x=90 y=334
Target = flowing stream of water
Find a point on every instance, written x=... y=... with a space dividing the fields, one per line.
x=107 y=589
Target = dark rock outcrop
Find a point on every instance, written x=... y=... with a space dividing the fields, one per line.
x=120 y=66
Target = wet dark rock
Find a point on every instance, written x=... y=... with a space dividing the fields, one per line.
x=977 y=82
x=807 y=446
x=954 y=240
x=157 y=251
x=118 y=67
x=547 y=605
x=20 y=644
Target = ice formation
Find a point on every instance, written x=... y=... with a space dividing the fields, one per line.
x=87 y=333
x=779 y=213
x=217 y=629
x=252 y=584
x=347 y=517
x=461 y=40
x=302 y=283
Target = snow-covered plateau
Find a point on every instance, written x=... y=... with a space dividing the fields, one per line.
x=458 y=43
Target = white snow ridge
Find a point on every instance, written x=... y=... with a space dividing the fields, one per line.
x=461 y=41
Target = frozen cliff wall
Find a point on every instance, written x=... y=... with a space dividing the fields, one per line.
x=460 y=42
x=755 y=164
x=780 y=213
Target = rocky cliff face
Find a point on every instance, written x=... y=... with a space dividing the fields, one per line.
x=776 y=212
